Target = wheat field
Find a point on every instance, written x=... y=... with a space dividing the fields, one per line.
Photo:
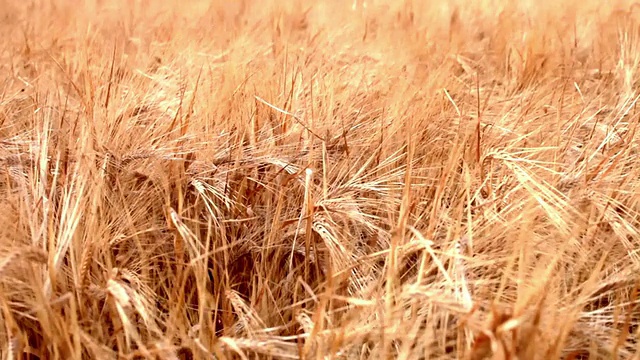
x=297 y=179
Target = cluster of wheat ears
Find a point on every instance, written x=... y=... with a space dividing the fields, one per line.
x=293 y=179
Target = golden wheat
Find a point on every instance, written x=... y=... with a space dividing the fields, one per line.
x=331 y=179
